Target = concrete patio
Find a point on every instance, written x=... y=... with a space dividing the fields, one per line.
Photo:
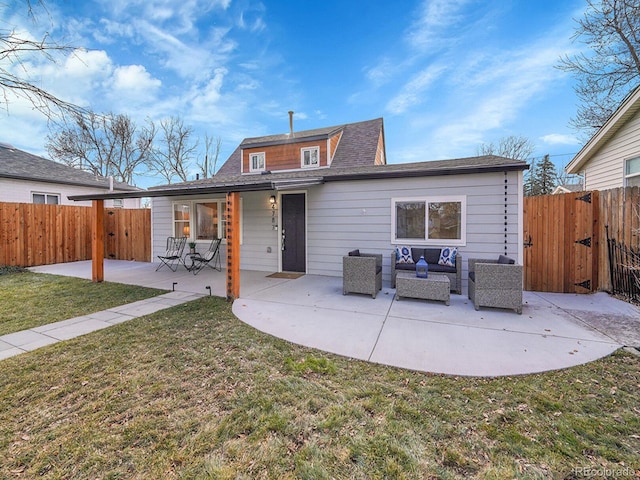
x=554 y=331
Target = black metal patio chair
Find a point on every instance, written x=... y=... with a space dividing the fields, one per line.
x=211 y=258
x=173 y=255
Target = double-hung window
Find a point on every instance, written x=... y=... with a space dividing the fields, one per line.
x=310 y=157
x=429 y=220
x=632 y=172
x=182 y=219
x=256 y=162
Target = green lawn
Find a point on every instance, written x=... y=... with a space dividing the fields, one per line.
x=30 y=300
x=190 y=392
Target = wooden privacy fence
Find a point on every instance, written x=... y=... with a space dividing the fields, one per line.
x=565 y=240
x=561 y=242
x=32 y=235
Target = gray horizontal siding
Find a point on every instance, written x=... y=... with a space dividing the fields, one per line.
x=342 y=216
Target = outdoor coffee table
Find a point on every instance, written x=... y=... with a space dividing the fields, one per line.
x=434 y=287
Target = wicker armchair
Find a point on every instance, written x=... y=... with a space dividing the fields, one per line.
x=362 y=273
x=495 y=283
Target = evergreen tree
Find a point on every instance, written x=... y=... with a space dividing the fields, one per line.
x=541 y=178
x=546 y=176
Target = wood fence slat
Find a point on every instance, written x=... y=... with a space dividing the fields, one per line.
x=32 y=235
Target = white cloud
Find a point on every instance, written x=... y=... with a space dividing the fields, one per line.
x=560 y=139
x=135 y=83
x=434 y=19
x=412 y=93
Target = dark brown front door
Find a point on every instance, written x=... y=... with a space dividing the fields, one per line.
x=293 y=233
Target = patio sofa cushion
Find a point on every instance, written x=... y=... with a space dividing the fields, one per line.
x=503 y=260
x=432 y=257
x=403 y=255
x=448 y=257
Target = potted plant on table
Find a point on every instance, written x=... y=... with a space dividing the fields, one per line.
x=192 y=247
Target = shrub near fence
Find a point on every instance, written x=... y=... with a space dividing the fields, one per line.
x=32 y=235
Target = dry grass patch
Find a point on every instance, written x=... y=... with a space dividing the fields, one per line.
x=191 y=392
x=32 y=299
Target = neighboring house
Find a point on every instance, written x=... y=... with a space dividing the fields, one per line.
x=567 y=188
x=611 y=158
x=309 y=197
x=27 y=178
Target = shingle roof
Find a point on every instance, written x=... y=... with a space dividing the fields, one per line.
x=21 y=165
x=358 y=145
x=297 y=179
x=485 y=163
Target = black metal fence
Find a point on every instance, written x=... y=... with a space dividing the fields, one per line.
x=624 y=265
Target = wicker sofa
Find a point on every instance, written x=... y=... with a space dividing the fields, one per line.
x=431 y=255
x=495 y=283
x=362 y=273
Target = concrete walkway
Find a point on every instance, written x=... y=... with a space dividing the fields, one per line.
x=28 y=340
x=555 y=331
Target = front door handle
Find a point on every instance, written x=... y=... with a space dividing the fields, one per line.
x=284 y=238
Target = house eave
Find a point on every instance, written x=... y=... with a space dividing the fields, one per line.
x=302 y=181
x=627 y=109
x=62 y=182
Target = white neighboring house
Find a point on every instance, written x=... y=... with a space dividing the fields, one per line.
x=611 y=158
x=27 y=178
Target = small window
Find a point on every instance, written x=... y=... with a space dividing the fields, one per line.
x=429 y=221
x=181 y=219
x=310 y=157
x=46 y=198
x=632 y=172
x=211 y=220
x=118 y=203
x=256 y=162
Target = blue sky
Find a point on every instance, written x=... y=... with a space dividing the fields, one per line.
x=446 y=75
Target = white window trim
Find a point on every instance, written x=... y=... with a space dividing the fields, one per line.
x=192 y=218
x=264 y=162
x=310 y=149
x=46 y=195
x=461 y=242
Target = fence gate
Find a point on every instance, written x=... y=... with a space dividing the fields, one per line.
x=127 y=234
x=561 y=243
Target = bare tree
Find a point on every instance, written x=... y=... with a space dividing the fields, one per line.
x=517 y=148
x=611 y=68
x=106 y=145
x=16 y=54
x=173 y=150
x=212 y=146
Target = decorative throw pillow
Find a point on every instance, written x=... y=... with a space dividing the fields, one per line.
x=403 y=255
x=448 y=256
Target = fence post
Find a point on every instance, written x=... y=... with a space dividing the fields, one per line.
x=97 y=242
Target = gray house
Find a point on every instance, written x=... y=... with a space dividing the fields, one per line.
x=309 y=197
x=28 y=178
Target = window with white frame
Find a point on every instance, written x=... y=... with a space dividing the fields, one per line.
x=256 y=162
x=310 y=157
x=45 y=198
x=211 y=220
x=632 y=172
x=182 y=219
x=429 y=220
x=202 y=220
